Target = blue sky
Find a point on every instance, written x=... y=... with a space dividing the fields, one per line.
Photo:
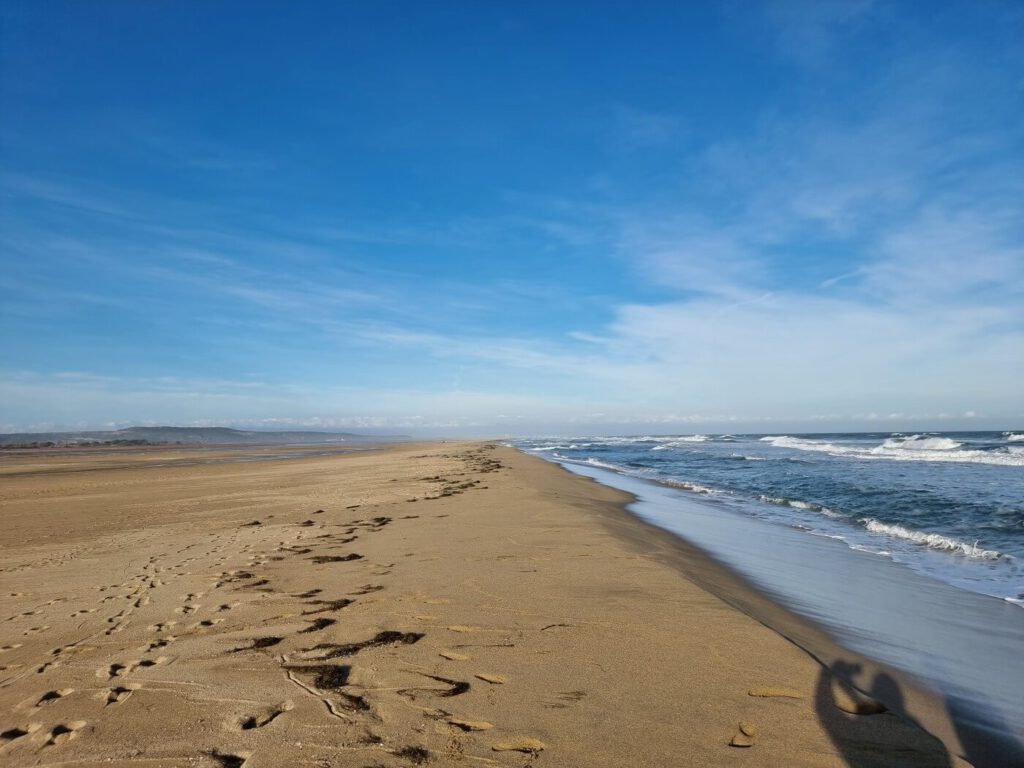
x=512 y=217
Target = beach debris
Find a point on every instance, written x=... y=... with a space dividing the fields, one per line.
x=463 y=628
x=487 y=677
x=453 y=656
x=470 y=725
x=775 y=693
x=746 y=735
x=853 y=702
x=529 y=746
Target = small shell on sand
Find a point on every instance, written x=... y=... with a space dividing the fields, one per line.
x=854 y=702
x=746 y=736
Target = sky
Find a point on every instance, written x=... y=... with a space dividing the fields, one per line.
x=512 y=218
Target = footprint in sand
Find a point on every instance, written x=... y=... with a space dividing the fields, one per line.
x=64 y=732
x=453 y=688
x=226 y=760
x=13 y=734
x=317 y=624
x=51 y=696
x=470 y=725
x=119 y=694
x=322 y=559
x=158 y=643
x=258 y=643
x=324 y=651
x=367 y=589
x=565 y=699
x=528 y=746
x=263 y=717
x=118 y=669
x=328 y=605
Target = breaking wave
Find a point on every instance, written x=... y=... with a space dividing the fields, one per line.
x=920 y=443
x=797 y=504
x=931 y=540
x=675 y=442
x=692 y=487
x=906 y=448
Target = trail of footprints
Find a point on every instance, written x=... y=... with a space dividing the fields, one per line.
x=314 y=669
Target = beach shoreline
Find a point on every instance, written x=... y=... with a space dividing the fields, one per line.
x=456 y=603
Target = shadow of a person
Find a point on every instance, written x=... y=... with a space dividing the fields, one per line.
x=835 y=683
x=988 y=745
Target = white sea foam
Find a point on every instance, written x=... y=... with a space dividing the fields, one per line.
x=920 y=443
x=568 y=447
x=692 y=487
x=1014 y=437
x=913 y=448
x=676 y=442
x=930 y=540
x=603 y=464
x=797 y=504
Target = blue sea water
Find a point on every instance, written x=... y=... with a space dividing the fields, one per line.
x=907 y=548
x=949 y=505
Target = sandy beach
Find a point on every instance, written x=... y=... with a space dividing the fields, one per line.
x=421 y=604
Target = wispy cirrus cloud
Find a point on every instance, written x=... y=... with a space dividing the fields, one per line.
x=842 y=239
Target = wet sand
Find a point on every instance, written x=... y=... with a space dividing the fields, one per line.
x=438 y=604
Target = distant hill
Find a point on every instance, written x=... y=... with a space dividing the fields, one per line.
x=186 y=436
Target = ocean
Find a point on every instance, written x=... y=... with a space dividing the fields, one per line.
x=906 y=548
x=949 y=505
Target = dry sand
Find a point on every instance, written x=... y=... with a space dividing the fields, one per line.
x=440 y=604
